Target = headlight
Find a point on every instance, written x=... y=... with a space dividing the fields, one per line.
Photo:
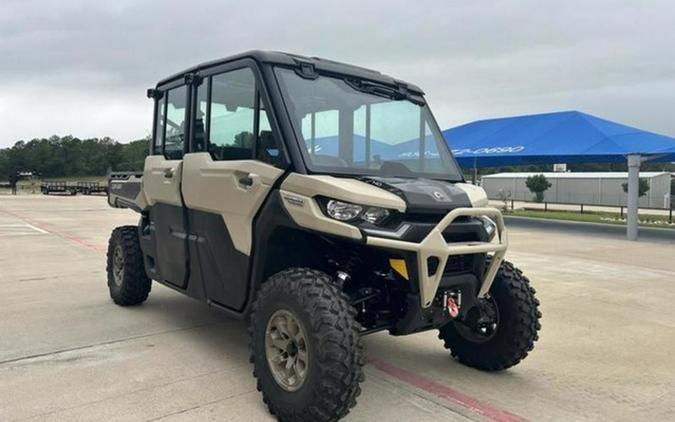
x=375 y=215
x=345 y=211
x=489 y=225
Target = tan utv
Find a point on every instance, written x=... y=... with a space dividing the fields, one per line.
x=319 y=201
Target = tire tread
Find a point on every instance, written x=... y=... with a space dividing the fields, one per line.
x=136 y=285
x=510 y=348
x=334 y=326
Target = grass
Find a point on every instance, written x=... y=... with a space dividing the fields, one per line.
x=593 y=217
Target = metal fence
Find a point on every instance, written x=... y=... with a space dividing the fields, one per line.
x=605 y=200
x=589 y=207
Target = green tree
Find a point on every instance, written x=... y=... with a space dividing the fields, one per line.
x=66 y=156
x=538 y=184
x=4 y=164
x=643 y=187
x=244 y=139
x=132 y=155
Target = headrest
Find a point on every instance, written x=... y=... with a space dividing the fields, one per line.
x=266 y=138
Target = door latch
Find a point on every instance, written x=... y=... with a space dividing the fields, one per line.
x=246 y=181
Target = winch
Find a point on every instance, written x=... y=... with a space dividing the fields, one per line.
x=452 y=302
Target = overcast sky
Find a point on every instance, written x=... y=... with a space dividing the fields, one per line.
x=82 y=67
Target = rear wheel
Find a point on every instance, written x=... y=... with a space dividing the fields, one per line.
x=305 y=347
x=127 y=280
x=501 y=330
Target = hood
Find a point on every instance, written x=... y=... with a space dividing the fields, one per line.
x=430 y=196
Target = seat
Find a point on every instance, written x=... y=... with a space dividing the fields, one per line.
x=200 y=135
x=268 y=152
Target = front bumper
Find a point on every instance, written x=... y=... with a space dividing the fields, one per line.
x=435 y=246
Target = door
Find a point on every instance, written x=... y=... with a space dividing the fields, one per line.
x=162 y=175
x=226 y=183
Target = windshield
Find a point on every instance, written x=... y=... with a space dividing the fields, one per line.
x=362 y=128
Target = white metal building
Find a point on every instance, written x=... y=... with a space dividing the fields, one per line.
x=581 y=188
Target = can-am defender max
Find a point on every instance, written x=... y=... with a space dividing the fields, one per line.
x=320 y=201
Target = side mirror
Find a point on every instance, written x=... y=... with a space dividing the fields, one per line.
x=154 y=93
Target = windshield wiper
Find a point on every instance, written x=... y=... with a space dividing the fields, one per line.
x=374 y=88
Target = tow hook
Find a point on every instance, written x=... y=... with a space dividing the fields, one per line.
x=452 y=301
x=341 y=278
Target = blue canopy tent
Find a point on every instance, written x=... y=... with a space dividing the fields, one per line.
x=562 y=137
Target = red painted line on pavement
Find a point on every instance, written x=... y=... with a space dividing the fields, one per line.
x=64 y=235
x=447 y=393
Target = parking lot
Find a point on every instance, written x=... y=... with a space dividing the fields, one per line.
x=67 y=353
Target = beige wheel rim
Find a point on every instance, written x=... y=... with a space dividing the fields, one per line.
x=286 y=350
x=118 y=266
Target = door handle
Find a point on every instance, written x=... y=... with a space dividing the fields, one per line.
x=168 y=173
x=246 y=181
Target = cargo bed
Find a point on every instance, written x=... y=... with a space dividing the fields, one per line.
x=124 y=189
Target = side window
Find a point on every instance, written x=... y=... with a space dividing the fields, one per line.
x=159 y=126
x=174 y=138
x=231 y=120
x=232 y=130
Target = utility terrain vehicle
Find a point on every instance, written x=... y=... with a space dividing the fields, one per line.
x=320 y=201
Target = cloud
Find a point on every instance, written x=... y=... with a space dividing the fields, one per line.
x=81 y=67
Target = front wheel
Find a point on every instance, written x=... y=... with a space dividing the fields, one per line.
x=501 y=330
x=305 y=347
x=127 y=281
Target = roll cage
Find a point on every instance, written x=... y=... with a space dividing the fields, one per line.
x=262 y=64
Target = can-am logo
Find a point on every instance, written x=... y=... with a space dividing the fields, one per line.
x=490 y=150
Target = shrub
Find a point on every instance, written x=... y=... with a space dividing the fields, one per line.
x=643 y=187
x=538 y=184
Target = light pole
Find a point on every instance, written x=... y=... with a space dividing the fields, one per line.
x=634 y=161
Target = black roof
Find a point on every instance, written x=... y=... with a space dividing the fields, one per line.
x=295 y=60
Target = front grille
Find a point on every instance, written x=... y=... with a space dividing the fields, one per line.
x=461 y=237
x=458 y=264
x=464 y=230
x=426 y=218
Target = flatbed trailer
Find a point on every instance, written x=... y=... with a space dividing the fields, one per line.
x=60 y=187
x=91 y=188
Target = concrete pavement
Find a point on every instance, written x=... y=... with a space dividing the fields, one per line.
x=67 y=353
